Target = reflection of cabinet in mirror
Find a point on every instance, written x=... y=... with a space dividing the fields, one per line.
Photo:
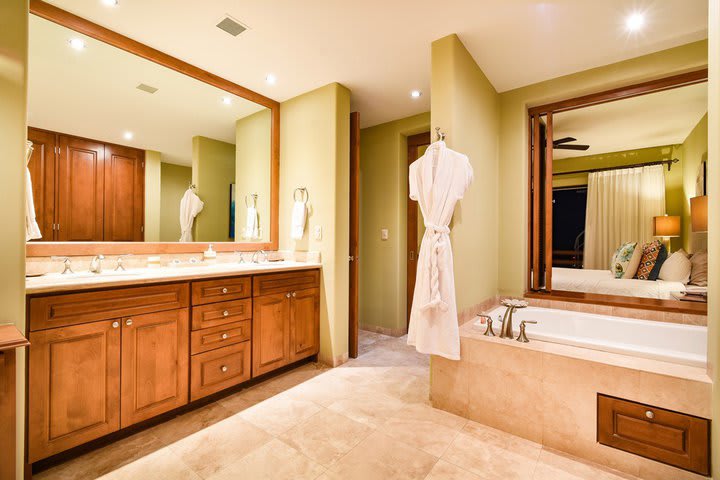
x=86 y=190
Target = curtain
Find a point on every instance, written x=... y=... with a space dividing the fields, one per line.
x=621 y=205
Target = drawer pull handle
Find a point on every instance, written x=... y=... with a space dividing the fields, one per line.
x=224 y=336
x=224 y=368
x=128 y=322
x=649 y=414
x=225 y=313
x=224 y=290
x=287 y=295
x=294 y=294
x=115 y=324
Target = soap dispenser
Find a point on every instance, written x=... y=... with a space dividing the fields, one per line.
x=210 y=255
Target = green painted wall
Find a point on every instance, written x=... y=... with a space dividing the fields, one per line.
x=252 y=171
x=513 y=177
x=174 y=181
x=466 y=107
x=695 y=149
x=673 y=177
x=383 y=204
x=13 y=131
x=213 y=171
x=314 y=153
x=153 y=160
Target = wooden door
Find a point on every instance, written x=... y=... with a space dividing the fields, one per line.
x=354 y=233
x=124 y=194
x=155 y=355
x=416 y=147
x=304 y=324
x=73 y=386
x=271 y=332
x=80 y=189
x=42 y=173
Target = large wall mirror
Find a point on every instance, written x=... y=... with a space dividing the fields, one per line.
x=126 y=148
x=618 y=195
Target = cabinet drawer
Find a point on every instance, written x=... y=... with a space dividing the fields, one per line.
x=285 y=282
x=668 y=437
x=222 y=313
x=209 y=291
x=219 y=369
x=220 y=336
x=76 y=308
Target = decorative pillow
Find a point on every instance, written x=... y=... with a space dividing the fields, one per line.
x=650 y=253
x=632 y=267
x=621 y=259
x=676 y=268
x=699 y=269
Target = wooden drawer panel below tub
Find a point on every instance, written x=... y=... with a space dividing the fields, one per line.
x=219 y=369
x=220 y=336
x=285 y=282
x=214 y=314
x=210 y=291
x=75 y=308
x=666 y=436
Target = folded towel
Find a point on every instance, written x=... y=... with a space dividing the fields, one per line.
x=252 y=229
x=299 y=214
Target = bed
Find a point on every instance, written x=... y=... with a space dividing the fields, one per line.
x=603 y=281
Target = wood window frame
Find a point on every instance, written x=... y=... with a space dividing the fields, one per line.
x=540 y=197
x=66 y=19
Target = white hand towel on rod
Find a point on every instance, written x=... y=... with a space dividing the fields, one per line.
x=190 y=206
x=252 y=230
x=32 y=229
x=299 y=215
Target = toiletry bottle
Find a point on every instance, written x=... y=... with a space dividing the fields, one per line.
x=210 y=255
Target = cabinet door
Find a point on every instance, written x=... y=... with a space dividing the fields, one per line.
x=42 y=174
x=80 y=189
x=124 y=194
x=271 y=333
x=73 y=386
x=155 y=354
x=304 y=324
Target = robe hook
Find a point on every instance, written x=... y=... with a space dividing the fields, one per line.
x=440 y=135
x=304 y=194
x=254 y=197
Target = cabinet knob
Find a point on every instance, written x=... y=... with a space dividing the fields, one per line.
x=224 y=290
x=128 y=322
x=649 y=414
x=224 y=336
x=225 y=313
x=115 y=324
x=224 y=368
x=287 y=295
x=294 y=294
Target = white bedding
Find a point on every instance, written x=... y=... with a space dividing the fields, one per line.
x=603 y=281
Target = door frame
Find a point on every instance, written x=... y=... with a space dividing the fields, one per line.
x=354 y=247
x=414 y=142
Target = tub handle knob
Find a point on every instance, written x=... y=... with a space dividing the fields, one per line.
x=649 y=414
x=488 y=321
x=522 y=337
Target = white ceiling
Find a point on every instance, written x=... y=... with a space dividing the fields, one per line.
x=92 y=93
x=380 y=49
x=663 y=118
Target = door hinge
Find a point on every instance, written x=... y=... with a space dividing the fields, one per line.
x=142 y=228
x=412 y=255
x=142 y=164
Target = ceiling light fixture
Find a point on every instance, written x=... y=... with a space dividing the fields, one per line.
x=128 y=135
x=635 y=21
x=271 y=79
x=110 y=3
x=227 y=101
x=416 y=94
x=77 y=43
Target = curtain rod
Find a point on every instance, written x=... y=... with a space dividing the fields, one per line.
x=620 y=167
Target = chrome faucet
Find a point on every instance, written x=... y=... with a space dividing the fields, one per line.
x=257 y=253
x=66 y=262
x=120 y=265
x=241 y=259
x=507 y=326
x=96 y=263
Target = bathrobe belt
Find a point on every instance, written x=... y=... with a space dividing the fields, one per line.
x=436 y=232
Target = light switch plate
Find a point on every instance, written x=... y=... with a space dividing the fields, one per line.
x=317 y=232
x=384 y=234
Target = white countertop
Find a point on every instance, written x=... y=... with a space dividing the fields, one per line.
x=55 y=282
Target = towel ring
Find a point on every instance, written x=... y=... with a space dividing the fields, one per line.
x=254 y=197
x=304 y=195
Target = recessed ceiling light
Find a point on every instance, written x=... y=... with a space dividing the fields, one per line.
x=77 y=43
x=227 y=101
x=110 y=3
x=271 y=79
x=416 y=94
x=128 y=135
x=635 y=21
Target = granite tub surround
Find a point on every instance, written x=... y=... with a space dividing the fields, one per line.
x=546 y=393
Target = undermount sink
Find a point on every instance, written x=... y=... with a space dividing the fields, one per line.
x=108 y=273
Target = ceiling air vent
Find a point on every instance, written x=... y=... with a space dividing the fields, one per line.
x=231 y=26
x=146 y=88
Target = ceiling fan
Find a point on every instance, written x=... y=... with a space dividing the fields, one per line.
x=561 y=144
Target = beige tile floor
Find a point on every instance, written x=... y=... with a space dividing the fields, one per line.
x=369 y=419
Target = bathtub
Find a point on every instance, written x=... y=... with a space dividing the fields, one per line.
x=670 y=342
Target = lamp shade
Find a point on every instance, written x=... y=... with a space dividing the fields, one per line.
x=699 y=213
x=667 y=226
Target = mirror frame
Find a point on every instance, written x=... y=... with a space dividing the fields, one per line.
x=93 y=30
x=539 y=255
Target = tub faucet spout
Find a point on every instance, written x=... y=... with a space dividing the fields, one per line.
x=506 y=331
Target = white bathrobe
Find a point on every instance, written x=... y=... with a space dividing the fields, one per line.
x=32 y=230
x=190 y=206
x=438 y=180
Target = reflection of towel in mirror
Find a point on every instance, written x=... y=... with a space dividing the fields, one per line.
x=299 y=213
x=252 y=229
x=190 y=206
x=32 y=230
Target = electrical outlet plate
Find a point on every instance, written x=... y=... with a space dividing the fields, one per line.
x=317 y=232
x=384 y=234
